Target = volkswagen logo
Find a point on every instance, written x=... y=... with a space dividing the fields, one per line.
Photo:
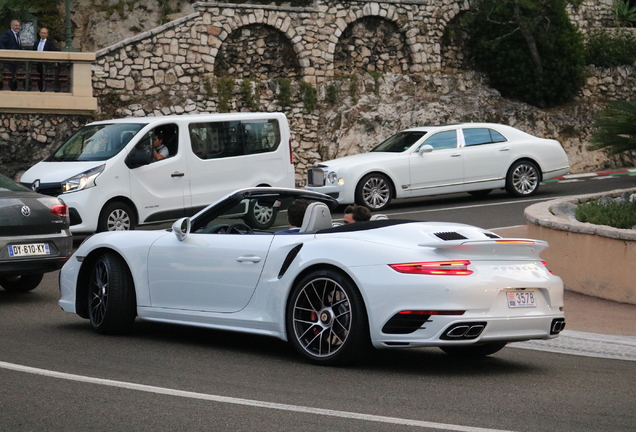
x=26 y=211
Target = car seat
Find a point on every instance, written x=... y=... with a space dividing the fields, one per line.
x=317 y=217
x=379 y=217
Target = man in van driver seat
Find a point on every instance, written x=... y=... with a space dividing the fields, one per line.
x=159 y=151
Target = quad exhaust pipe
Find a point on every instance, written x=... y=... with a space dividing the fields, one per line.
x=558 y=324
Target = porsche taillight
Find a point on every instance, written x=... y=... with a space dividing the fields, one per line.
x=444 y=268
x=545 y=264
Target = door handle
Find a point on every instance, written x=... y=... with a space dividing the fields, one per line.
x=177 y=174
x=249 y=258
x=456 y=155
x=505 y=149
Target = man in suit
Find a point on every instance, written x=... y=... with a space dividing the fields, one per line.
x=11 y=40
x=44 y=44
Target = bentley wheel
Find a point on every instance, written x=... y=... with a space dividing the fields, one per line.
x=474 y=350
x=21 y=283
x=326 y=319
x=374 y=192
x=116 y=216
x=111 y=296
x=523 y=179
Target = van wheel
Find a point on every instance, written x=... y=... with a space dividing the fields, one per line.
x=260 y=217
x=116 y=216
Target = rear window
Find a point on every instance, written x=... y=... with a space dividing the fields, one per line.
x=399 y=142
x=6 y=184
x=213 y=140
x=478 y=136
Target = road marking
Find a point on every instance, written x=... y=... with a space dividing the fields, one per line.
x=245 y=402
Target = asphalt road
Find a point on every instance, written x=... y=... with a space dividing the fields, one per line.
x=57 y=374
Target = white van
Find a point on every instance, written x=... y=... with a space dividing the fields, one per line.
x=110 y=178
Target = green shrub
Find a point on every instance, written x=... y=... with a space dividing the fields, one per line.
x=250 y=100
x=353 y=89
x=331 y=96
x=308 y=96
x=284 y=93
x=224 y=92
x=624 y=13
x=615 y=128
x=615 y=214
x=529 y=50
x=605 y=49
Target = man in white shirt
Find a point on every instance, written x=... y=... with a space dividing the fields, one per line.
x=44 y=44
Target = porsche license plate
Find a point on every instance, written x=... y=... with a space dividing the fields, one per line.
x=29 y=249
x=520 y=299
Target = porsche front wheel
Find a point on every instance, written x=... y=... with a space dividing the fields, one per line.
x=326 y=319
x=111 y=295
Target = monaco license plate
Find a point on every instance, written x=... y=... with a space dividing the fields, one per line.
x=29 y=249
x=521 y=299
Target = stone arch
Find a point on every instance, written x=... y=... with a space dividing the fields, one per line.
x=257 y=51
x=454 y=50
x=373 y=44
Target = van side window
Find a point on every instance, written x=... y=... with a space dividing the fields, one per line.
x=478 y=136
x=214 y=140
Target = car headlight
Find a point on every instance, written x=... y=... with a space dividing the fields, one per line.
x=332 y=177
x=83 y=180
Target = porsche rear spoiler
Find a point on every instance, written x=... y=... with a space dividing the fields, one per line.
x=503 y=248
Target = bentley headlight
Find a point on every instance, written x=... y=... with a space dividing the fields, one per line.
x=83 y=180
x=332 y=177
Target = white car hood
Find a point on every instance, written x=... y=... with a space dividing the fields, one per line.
x=55 y=172
x=359 y=159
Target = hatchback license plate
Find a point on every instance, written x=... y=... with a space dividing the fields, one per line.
x=29 y=249
x=520 y=299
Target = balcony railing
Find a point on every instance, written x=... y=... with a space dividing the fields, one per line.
x=46 y=82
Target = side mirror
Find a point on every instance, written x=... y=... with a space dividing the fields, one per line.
x=181 y=228
x=425 y=148
x=139 y=157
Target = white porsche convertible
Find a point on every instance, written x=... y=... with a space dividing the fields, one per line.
x=332 y=291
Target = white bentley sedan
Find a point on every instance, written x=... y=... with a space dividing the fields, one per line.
x=471 y=157
x=331 y=291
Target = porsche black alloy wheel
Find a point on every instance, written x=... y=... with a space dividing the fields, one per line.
x=326 y=319
x=111 y=295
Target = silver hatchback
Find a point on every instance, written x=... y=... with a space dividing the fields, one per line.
x=34 y=236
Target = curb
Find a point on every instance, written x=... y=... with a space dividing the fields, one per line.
x=621 y=172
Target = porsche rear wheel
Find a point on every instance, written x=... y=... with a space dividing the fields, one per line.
x=326 y=319
x=111 y=295
x=474 y=350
